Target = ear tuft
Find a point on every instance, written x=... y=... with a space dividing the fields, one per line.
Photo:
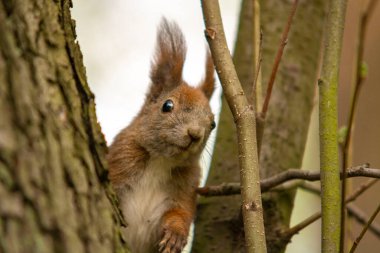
x=208 y=84
x=167 y=66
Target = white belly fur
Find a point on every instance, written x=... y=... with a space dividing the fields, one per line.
x=144 y=205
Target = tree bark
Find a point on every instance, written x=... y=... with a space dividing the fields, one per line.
x=218 y=226
x=54 y=191
x=332 y=222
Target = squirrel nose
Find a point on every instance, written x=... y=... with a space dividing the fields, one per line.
x=195 y=133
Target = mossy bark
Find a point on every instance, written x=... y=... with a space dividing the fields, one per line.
x=218 y=226
x=54 y=191
x=328 y=129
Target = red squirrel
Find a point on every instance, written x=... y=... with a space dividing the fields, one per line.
x=154 y=162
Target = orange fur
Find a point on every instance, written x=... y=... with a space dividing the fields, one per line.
x=208 y=83
x=154 y=162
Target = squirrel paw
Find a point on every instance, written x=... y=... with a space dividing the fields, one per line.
x=172 y=242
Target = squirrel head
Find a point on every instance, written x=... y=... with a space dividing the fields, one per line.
x=176 y=119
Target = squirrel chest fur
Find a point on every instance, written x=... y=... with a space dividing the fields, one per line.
x=154 y=162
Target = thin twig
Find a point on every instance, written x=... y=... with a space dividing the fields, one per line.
x=295 y=229
x=257 y=90
x=290 y=185
x=286 y=186
x=291 y=174
x=365 y=186
x=284 y=41
x=362 y=218
x=257 y=93
x=352 y=209
x=303 y=224
x=311 y=188
x=359 y=238
x=258 y=67
x=360 y=77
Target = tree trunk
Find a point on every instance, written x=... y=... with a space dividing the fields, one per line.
x=54 y=190
x=218 y=225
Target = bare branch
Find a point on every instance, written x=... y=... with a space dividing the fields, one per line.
x=359 y=171
x=303 y=224
x=359 y=191
x=311 y=188
x=258 y=68
x=328 y=127
x=294 y=230
x=291 y=174
x=284 y=40
x=223 y=189
x=245 y=120
x=356 y=87
x=289 y=185
x=257 y=93
x=352 y=209
x=359 y=238
x=362 y=218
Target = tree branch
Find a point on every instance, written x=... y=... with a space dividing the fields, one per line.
x=362 y=218
x=283 y=177
x=295 y=230
x=360 y=76
x=257 y=85
x=359 y=238
x=284 y=41
x=245 y=120
x=352 y=209
x=328 y=128
x=257 y=93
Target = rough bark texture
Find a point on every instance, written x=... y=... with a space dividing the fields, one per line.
x=52 y=169
x=218 y=225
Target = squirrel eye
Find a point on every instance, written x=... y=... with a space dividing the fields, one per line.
x=213 y=125
x=168 y=106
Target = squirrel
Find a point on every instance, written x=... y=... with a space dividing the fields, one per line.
x=154 y=162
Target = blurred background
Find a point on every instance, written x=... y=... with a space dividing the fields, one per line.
x=117 y=40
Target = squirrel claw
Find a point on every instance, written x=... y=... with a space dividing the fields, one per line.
x=172 y=242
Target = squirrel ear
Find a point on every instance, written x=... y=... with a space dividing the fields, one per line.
x=208 y=83
x=167 y=66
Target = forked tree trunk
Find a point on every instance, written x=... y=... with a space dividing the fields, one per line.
x=52 y=170
x=218 y=226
